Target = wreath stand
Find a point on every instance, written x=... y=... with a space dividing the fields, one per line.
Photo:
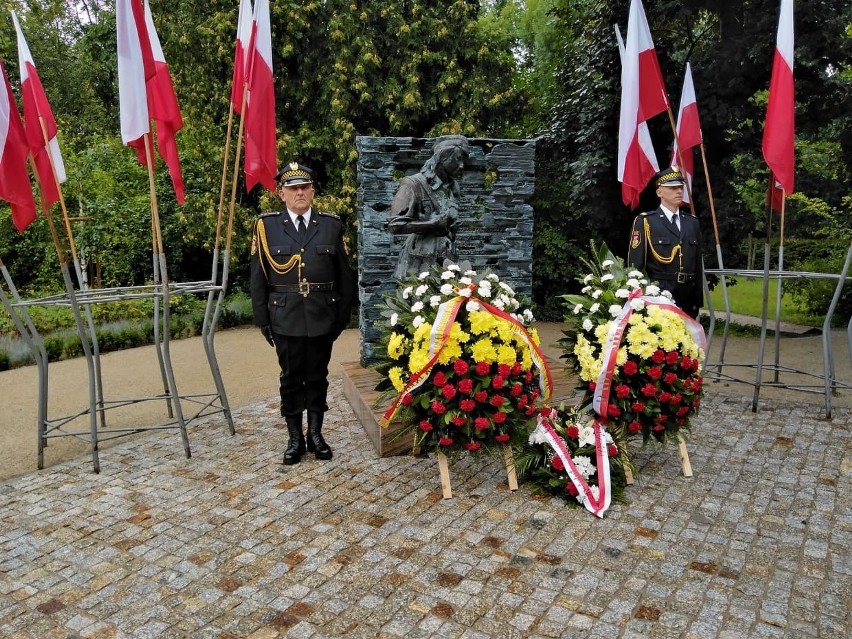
x=685 y=465
x=444 y=471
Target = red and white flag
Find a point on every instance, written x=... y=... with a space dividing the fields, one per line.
x=244 y=30
x=688 y=131
x=40 y=125
x=15 y=185
x=643 y=95
x=779 y=131
x=145 y=88
x=261 y=164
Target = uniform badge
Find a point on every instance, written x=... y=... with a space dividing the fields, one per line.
x=635 y=240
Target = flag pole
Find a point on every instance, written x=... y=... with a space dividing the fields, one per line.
x=779 y=285
x=765 y=304
x=680 y=156
x=240 y=133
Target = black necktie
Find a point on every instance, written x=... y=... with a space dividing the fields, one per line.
x=301 y=227
x=676 y=222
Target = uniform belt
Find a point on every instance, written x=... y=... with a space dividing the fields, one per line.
x=303 y=287
x=680 y=278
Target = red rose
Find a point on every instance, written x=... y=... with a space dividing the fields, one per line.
x=649 y=390
x=483 y=368
x=466 y=386
x=528 y=377
x=499 y=417
x=670 y=378
x=696 y=402
x=622 y=391
x=497 y=401
x=696 y=385
x=440 y=379
x=472 y=446
x=481 y=396
x=458 y=420
x=630 y=367
x=504 y=370
x=665 y=397
x=534 y=395
x=480 y=423
x=687 y=384
x=572 y=489
x=438 y=408
x=592 y=386
x=573 y=432
x=634 y=427
x=658 y=428
x=530 y=410
x=407 y=399
x=502 y=438
x=686 y=362
x=445 y=441
x=655 y=372
x=556 y=464
x=637 y=406
x=612 y=410
x=516 y=390
x=460 y=367
x=467 y=405
x=498 y=381
x=523 y=401
x=672 y=357
x=516 y=368
x=448 y=391
x=695 y=364
x=677 y=398
x=425 y=426
x=612 y=450
x=683 y=410
x=659 y=356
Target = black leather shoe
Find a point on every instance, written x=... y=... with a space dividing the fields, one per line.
x=296 y=447
x=315 y=443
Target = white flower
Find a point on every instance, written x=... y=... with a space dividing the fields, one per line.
x=417 y=321
x=607 y=277
x=465 y=292
x=417 y=307
x=586 y=289
x=667 y=294
x=493 y=277
x=614 y=310
x=596 y=492
x=538 y=435
x=499 y=303
x=470 y=273
x=594 y=307
x=588 y=278
x=447 y=275
x=434 y=301
x=446 y=289
x=634 y=273
x=465 y=280
x=577 y=309
x=587 y=435
x=652 y=290
x=637 y=304
x=633 y=283
x=485 y=284
x=406 y=292
x=528 y=315
x=424 y=275
x=587 y=325
x=472 y=306
x=507 y=288
x=584 y=466
x=622 y=293
x=596 y=293
x=607 y=263
x=394 y=318
x=418 y=292
x=454 y=267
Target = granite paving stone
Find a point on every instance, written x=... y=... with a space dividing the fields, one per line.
x=230 y=544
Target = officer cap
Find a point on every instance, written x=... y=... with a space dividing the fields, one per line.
x=669 y=176
x=294 y=174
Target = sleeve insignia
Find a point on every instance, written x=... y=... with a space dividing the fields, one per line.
x=254 y=244
x=635 y=240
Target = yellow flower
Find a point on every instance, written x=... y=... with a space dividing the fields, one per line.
x=483 y=351
x=422 y=332
x=534 y=335
x=396 y=345
x=480 y=322
x=451 y=351
x=395 y=377
x=419 y=358
x=622 y=356
x=458 y=334
x=506 y=355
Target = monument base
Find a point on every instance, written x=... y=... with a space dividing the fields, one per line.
x=359 y=386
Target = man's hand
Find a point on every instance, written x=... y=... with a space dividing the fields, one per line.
x=267 y=334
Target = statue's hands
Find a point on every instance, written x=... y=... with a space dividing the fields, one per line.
x=442 y=225
x=268 y=335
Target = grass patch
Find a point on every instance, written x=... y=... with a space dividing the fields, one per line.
x=746 y=298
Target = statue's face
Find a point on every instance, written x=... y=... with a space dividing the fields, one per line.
x=451 y=164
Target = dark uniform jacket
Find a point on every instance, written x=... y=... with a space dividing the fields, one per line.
x=300 y=290
x=670 y=257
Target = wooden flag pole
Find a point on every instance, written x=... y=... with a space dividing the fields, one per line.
x=444 y=470
x=511 y=472
x=70 y=234
x=235 y=173
x=225 y=160
x=684 y=456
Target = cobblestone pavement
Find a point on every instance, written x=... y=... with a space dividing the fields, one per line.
x=229 y=544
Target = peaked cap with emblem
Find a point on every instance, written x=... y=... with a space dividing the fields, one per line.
x=294 y=174
x=669 y=176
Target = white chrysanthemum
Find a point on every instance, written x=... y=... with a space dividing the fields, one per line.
x=577 y=309
x=466 y=281
x=465 y=292
x=614 y=310
x=633 y=283
x=406 y=292
x=394 y=318
x=424 y=275
x=472 y=306
x=498 y=302
x=417 y=321
x=485 y=284
x=584 y=466
x=448 y=275
x=435 y=301
x=607 y=277
x=667 y=294
x=470 y=273
x=417 y=307
x=652 y=290
x=538 y=436
x=594 y=307
x=585 y=289
x=454 y=267
x=446 y=289
x=634 y=273
x=596 y=293
x=420 y=290
x=587 y=325
x=588 y=278
x=528 y=315
x=607 y=263
x=637 y=303
x=622 y=293
x=484 y=292
x=493 y=277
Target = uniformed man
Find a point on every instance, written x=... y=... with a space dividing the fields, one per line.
x=302 y=291
x=666 y=244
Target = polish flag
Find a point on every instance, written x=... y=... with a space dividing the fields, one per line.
x=643 y=95
x=688 y=130
x=15 y=185
x=244 y=29
x=779 y=131
x=37 y=111
x=261 y=157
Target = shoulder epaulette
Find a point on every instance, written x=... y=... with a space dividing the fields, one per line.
x=269 y=214
x=336 y=217
x=645 y=213
x=689 y=213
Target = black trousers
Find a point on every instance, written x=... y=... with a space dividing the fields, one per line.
x=304 y=372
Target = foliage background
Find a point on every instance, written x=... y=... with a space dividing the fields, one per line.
x=498 y=68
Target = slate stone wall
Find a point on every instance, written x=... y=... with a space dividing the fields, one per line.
x=495 y=217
